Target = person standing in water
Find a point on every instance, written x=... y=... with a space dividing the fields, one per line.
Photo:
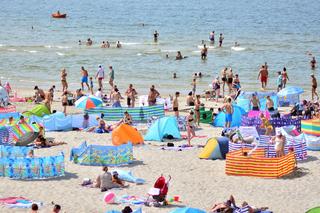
x=230 y=80
x=263 y=75
x=111 y=76
x=313 y=63
x=220 y=39
x=64 y=80
x=175 y=105
x=204 y=52
x=314 y=87
x=211 y=37
x=228 y=111
x=155 y=36
x=279 y=82
x=100 y=75
x=224 y=78
x=84 y=78
x=118 y=44
x=194 y=86
x=285 y=77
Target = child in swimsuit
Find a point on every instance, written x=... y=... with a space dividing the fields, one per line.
x=266 y=124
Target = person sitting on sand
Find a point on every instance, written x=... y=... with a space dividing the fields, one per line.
x=265 y=124
x=102 y=128
x=104 y=181
x=39 y=95
x=41 y=141
x=179 y=56
x=78 y=94
x=190 y=99
x=11 y=121
x=279 y=142
x=127 y=119
x=228 y=206
x=127 y=209
x=118 y=44
x=22 y=120
x=116 y=179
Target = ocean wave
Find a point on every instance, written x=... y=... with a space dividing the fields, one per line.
x=62 y=47
x=60 y=54
x=169 y=51
x=208 y=46
x=129 y=43
x=11 y=49
x=31 y=51
x=238 y=48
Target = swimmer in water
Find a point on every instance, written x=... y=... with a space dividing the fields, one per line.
x=220 y=40
x=236 y=44
x=118 y=44
x=155 y=36
x=89 y=42
x=174 y=75
x=167 y=55
x=107 y=44
x=79 y=42
x=103 y=45
x=211 y=37
x=313 y=63
x=204 y=52
x=179 y=56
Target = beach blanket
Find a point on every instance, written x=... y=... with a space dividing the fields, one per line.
x=131 y=200
x=7 y=109
x=18 y=202
x=137 y=113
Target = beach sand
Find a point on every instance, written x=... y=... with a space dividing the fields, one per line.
x=199 y=183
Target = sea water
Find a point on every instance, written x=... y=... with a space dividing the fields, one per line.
x=34 y=47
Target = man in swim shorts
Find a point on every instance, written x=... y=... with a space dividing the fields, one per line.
x=84 y=78
x=255 y=103
x=176 y=104
x=228 y=111
x=263 y=75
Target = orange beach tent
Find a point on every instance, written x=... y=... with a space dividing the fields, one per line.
x=124 y=134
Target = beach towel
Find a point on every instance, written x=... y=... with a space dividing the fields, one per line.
x=128 y=176
x=131 y=200
x=18 y=202
x=177 y=148
x=7 y=109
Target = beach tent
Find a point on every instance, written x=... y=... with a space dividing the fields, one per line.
x=220 y=119
x=216 y=148
x=163 y=127
x=244 y=100
x=314 y=210
x=187 y=210
x=39 y=110
x=124 y=134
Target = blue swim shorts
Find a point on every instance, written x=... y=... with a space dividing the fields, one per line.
x=228 y=117
x=84 y=79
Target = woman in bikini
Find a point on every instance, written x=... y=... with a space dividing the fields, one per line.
x=64 y=80
x=197 y=110
x=41 y=141
x=285 y=77
x=64 y=101
x=190 y=127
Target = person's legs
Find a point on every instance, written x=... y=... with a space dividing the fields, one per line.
x=198 y=117
x=189 y=135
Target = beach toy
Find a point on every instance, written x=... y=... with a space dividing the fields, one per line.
x=109 y=197
x=176 y=198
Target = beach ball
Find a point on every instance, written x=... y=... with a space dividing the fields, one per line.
x=109 y=197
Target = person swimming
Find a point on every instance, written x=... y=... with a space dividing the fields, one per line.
x=118 y=44
x=236 y=44
x=155 y=36
x=179 y=56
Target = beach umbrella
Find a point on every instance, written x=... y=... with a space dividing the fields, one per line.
x=88 y=102
x=290 y=91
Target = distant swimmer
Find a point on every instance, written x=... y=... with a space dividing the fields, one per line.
x=313 y=63
x=31 y=27
x=89 y=42
x=179 y=56
x=236 y=44
x=167 y=55
x=79 y=42
x=220 y=40
x=103 y=45
x=202 y=42
x=204 y=52
x=174 y=75
x=118 y=44
x=211 y=37
x=107 y=44
x=155 y=36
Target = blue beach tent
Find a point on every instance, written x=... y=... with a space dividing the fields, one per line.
x=220 y=119
x=163 y=127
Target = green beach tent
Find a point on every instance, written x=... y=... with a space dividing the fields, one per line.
x=314 y=210
x=39 y=110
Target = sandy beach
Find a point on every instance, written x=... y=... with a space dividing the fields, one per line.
x=198 y=183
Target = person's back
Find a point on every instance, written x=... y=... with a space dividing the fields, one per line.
x=106 y=180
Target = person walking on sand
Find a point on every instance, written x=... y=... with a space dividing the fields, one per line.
x=204 y=52
x=220 y=39
x=64 y=80
x=228 y=111
x=100 y=75
x=84 y=78
x=175 y=105
x=190 y=127
x=285 y=77
x=313 y=63
x=263 y=75
x=314 y=86
x=131 y=95
x=111 y=76
x=224 y=78
x=197 y=109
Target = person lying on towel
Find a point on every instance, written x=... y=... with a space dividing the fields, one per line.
x=41 y=141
